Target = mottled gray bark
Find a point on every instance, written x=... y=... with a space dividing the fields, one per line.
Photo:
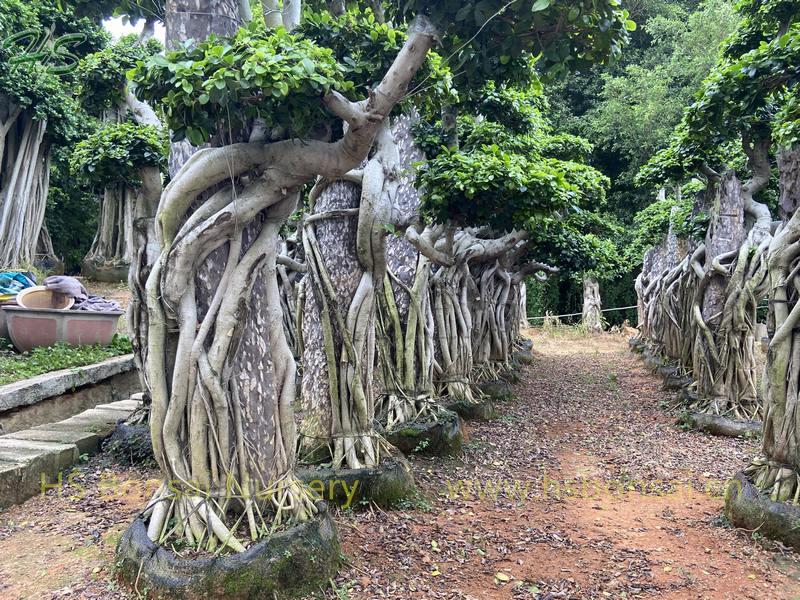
x=405 y=315
x=725 y=235
x=592 y=317
x=195 y=20
x=24 y=183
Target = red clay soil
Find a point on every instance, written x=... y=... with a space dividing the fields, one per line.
x=583 y=487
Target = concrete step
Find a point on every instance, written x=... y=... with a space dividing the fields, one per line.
x=33 y=458
x=87 y=443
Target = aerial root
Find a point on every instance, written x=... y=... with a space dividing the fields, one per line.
x=780 y=482
x=211 y=522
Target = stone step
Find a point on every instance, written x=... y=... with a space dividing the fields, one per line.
x=87 y=443
x=126 y=405
x=32 y=458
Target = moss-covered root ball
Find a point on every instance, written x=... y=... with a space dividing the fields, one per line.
x=749 y=508
x=291 y=563
x=386 y=485
x=442 y=437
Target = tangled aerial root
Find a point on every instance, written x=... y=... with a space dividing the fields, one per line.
x=200 y=519
x=780 y=482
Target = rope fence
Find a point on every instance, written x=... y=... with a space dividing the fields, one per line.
x=578 y=314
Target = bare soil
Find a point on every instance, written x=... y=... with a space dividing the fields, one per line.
x=583 y=487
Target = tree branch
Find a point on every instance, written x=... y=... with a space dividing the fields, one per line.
x=290 y=263
x=534 y=268
x=426 y=247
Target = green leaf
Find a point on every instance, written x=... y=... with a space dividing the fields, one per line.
x=540 y=5
x=630 y=25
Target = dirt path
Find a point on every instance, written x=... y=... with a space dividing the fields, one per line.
x=581 y=488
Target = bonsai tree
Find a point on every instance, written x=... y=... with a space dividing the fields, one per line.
x=216 y=331
x=219 y=369
x=41 y=48
x=510 y=174
x=112 y=159
x=725 y=279
x=337 y=375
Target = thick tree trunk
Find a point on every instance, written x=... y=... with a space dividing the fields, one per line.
x=195 y=20
x=220 y=371
x=345 y=245
x=592 y=318
x=778 y=472
x=24 y=183
x=405 y=316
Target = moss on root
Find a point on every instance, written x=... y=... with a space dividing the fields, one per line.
x=442 y=437
x=498 y=391
x=386 y=485
x=748 y=508
x=482 y=409
x=290 y=564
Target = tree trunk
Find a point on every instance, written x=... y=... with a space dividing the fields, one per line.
x=778 y=472
x=195 y=20
x=112 y=248
x=220 y=371
x=24 y=183
x=345 y=245
x=405 y=317
x=592 y=318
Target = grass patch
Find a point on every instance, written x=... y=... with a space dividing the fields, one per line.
x=15 y=366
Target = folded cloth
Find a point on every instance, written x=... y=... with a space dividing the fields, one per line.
x=83 y=300
x=66 y=285
x=96 y=303
x=13 y=282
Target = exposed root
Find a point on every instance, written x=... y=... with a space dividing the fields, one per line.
x=184 y=515
x=779 y=481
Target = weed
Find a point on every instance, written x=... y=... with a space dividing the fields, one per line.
x=15 y=367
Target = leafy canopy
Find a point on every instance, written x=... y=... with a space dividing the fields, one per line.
x=366 y=48
x=494 y=39
x=114 y=153
x=218 y=86
x=41 y=45
x=101 y=76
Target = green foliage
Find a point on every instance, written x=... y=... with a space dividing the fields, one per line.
x=651 y=225
x=581 y=242
x=116 y=151
x=640 y=106
x=786 y=130
x=39 y=80
x=742 y=93
x=489 y=185
x=72 y=210
x=367 y=48
x=101 y=75
x=219 y=85
x=565 y=146
x=761 y=22
x=98 y=10
x=14 y=367
x=515 y=109
x=494 y=39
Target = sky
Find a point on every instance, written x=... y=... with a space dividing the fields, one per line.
x=118 y=29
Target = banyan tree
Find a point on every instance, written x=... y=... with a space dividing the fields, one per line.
x=37 y=111
x=709 y=301
x=127 y=139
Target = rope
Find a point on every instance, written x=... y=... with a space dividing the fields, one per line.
x=580 y=313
